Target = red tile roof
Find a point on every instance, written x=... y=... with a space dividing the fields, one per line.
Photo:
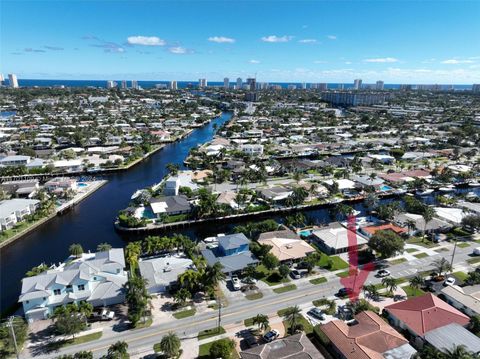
x=368 y=339
x=425 y=313
x=389 y=226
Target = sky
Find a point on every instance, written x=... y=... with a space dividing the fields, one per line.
x=278 y=41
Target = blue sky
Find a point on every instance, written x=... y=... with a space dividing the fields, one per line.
x=312 y=41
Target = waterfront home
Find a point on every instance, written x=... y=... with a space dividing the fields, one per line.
x=14 y=210
x=162 y=272
x=420 y=315
x=368 y=337
x=172 y=185
x=465 y=299
x=96 y=278
x=407 y=219
x=74 y=165
x=450 y=215
x=296 y=346
x=61 y=183
x=453 y=335
x=405 y=176
x=286 y=245
x=252 y=149
x=170 y=205
x=228 y=198
x=385 y=159
x=336 y=239
x=232 y=252
x=369 y=231
x=18 y=160
x=363 y=182
x=275 y=194
x=21 y=188
x=344 y=185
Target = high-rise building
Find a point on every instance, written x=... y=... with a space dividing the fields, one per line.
x=322 y=86
x=124 y=84
x=239 y=83
x=202 y=83
x=304 y=85
x=12 y=79
x=292 y=87
x=226 y=82
x=379 y=85
x=173 y=85
x=357 y=84
x=476 y=87
x=252 y=84
x=111 y=84
x=134 y=84
x=350 y=98
x=2 y=79
x=340 y=86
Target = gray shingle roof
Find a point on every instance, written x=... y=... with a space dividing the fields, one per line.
x=232 y=241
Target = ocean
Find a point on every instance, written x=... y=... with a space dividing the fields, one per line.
x=184 y=84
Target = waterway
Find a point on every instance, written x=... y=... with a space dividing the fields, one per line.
x=90 y=222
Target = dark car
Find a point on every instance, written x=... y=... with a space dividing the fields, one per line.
x=316 y=313
x=343 y=292
x=271 y=336
x=295 y=274
x=251 y=341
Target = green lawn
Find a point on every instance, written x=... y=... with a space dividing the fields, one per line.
x=419 y=241
x=332 y=263
x=141 y=324
x=254 y=296
x=319 y=280
x=204 y=351
x=208 y=333
x=411 y=250
x=270 y=277
x=412 y=292
x=463 y=244
x=184 y=313
x=343 y=274
x=307 y=327
x=420 y=255
x=473 y=260
x=248 y=322
x=440 y=250
x=397 y=261
x=285 y=288
x=461 y=276
x=80 y=340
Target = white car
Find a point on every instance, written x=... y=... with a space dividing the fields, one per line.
x=476 y=251
x=236 y=283
x=383 y=273
x=449 y=281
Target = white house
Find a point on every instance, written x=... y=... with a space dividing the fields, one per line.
x=162 y=272
x=252 y=150
x=96 y=278
x=15 y=210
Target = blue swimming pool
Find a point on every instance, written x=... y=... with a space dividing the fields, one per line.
x=81 y=184
x=305 y=232
x=385 y=188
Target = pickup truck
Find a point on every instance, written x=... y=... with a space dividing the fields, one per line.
x=103 y=315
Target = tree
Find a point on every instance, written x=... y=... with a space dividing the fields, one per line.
x=213 y=275
x=222 y=348
x=118 y=350
x=37 y=270
x=386 y=243
x=262 y=321
x=441 y=266
x=104 y=247
x=138 y=299
x=7 y=346
x=475 y=324
x=428 y=213
x=471 y=221
x=170 y=345
x=190 y=279
x=457 y=352
x=69 y=320
x=80 y=355
x=390 y=284
x=181 y=296
x=370 y=290
x=417 y=282
x=283 y=270
x=132 y=252
x=270 y=261
x=75 y=250
x=250 y=271
x=292 y=316
x=172 y=168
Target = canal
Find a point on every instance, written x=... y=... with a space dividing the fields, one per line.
x=90 y=222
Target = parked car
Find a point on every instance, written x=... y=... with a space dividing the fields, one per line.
x=345 y=313
x=249 y=280
x=383 y=273
x=102 y=315
x=251 y=341
x=476 y=251
x=236 y=283
x=295 y=274
x=316 y=313
x=449 y=281
x=271 y=336
x=343 y=292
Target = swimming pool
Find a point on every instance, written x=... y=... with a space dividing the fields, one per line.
x=81 y=184
x=385 y=188
x=305 y=232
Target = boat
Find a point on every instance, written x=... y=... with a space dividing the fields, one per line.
x=213 y=239
x=136 y=194
x=474 y=184
x=449 y=188
x=471 y=195
x=400 y=191
x=426 y=192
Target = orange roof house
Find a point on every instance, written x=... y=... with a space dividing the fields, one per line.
x=371 y=230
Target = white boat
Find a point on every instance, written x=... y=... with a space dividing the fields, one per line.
x=474 y=184
x=424 y=192
x=471 y=195
x=136 y=194
x=400 y=191
x=213 y=239
x=449 y=188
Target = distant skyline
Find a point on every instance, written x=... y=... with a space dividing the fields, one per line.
x=279 y=41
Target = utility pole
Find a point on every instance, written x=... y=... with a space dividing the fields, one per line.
x=219 y=314
x=12 y=331
x=453 y=254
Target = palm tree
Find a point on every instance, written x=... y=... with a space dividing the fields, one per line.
x=428 y=213
x=76 y=250
x=441 y=266
x=118 y=350
x=104 y=247
x=262 y=321
x=458 y=352
x=417 y=282
x=189 y=279
x=411 y=224
x=292 y=315
x=214 y=274
x=132 y=252
x=390 y=284
x=170 y=345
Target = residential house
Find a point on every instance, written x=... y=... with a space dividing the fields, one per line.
x=466 y=299
x=450 y=215
x=228 y=198
x=21 y=188
x=61 y=183
x=452 y=335
x=363 y=182
x=162 y=272
x=172 y=185
x=435 y=225
x=170 y=205
x=275 y=194
x=369 y=231
x=232 y=252
x=368 y=337
x=96 y=278
x=296 y=346
x=252 y=149
x=336 y=239
x=14 y=210
x=420 y=315
x=286 y=245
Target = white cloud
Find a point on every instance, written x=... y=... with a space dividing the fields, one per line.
x=221 y=39
x=274 y=38
x=332 y=37
x=253 y=61
x=308 y=41
x=146 y=41
x=178 y=50
x=382 y=60
x=457 y=61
